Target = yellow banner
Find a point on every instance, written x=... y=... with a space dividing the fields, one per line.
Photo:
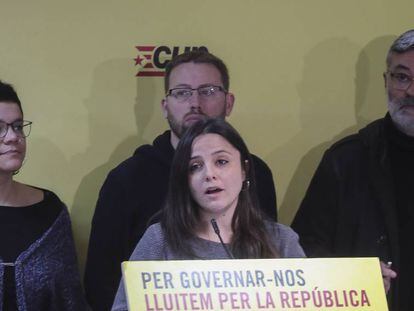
x=256 y=284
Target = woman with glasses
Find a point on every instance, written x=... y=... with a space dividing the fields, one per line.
x=38 y=267
x=212 y=210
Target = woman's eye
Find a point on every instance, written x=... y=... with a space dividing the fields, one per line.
x=222 y=162
x=194 y=167
x=18 y=128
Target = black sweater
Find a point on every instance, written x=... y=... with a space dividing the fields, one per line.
x=131 y=194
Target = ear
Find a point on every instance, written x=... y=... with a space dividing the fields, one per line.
x=229 y=103
x=384 y=75
x=164 y=107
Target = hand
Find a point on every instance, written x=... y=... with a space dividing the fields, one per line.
x=387 y=275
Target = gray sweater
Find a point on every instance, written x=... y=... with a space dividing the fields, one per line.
x=154 y=246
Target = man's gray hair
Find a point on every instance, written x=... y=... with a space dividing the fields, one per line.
x=403 y=43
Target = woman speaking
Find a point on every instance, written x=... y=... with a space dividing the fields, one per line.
x=212 y=210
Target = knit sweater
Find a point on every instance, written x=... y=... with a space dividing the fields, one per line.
x=46 y=274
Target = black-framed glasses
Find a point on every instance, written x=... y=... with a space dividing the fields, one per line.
x=20 y=128
x=182 y=94
x=400 y=81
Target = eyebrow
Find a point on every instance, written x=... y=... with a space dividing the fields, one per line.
x=214 y=153
x=182 y=85
x=399 y=66
x=17 y=120
x=190 y=87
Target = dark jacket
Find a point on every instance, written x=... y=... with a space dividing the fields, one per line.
x=349 y=209
x=132 y=193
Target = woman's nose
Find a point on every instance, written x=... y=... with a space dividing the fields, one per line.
x=210 y=173
x=11 y=135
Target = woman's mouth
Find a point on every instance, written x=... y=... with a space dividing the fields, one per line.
x=213 y=190
x=9 y=152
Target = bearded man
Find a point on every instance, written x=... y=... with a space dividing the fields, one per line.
x=360 y=201
x=196 y=87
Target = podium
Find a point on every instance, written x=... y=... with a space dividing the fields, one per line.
x=255 y=284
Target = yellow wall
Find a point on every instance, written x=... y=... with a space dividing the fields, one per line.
x=305 y=73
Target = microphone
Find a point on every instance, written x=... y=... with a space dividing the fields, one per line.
x=217 y=231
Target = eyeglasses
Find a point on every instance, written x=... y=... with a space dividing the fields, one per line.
x=400 y=81
x=182 y=94
x=20 y=128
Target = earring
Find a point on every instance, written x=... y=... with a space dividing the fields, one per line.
x=245 y=185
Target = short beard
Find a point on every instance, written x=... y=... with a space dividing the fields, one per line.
x=175 y=127
x=402 y=121
x=179 y=129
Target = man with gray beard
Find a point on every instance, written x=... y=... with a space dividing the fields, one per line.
x=360 y=201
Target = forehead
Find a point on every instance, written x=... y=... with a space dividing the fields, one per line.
x=404 y=61
x=208 y=144
x=9 y=112
x=194 y=75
